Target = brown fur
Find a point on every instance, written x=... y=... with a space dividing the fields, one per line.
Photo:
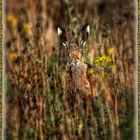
x=77 y=83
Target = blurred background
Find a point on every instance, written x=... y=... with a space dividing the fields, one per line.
x=35 y=69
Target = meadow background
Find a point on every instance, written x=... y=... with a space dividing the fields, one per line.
x=35 y=69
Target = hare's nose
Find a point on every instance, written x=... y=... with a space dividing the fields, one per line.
x=75 y=62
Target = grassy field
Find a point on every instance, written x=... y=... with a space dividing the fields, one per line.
x=36 y=108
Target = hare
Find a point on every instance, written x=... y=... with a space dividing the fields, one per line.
x=76 y=69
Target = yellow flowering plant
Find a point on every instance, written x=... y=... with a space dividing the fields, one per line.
x=104 y=62
x=12 y=20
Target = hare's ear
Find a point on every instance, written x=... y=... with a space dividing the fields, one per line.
x=84 y=34
x=62 y=35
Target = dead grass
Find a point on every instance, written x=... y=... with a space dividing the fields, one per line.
x=36 y=86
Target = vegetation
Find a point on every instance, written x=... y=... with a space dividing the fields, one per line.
x=35 y=70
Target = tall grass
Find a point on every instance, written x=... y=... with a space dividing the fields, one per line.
x=35 y=69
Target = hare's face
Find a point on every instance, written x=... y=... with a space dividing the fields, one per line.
x=74 y=55
x=74 y=47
